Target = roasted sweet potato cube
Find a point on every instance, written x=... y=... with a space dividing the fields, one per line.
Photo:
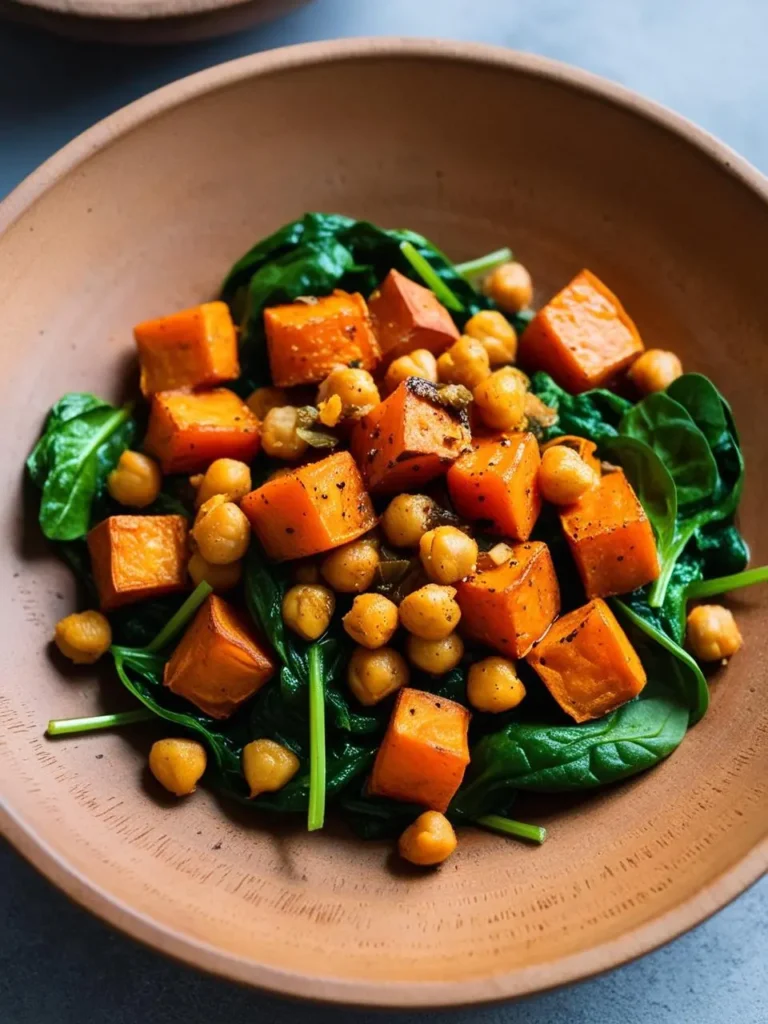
x=611 y=538
x=585 y=449
x=191 y=349
x=587 y=662
x=496 y=484
x=406 y=316
x=306 y=339
x=219 y=662
x=311 y=509
x=135 y=557
x=424 y=754
x=511 y=606
x=408 y=439
x=583 y=337
x=187 y=431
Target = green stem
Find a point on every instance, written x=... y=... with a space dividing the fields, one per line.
x=508 y=827
x=721 y=585
x=430 y=277
x=659 y=589
x=68 y=726
x=178 y=621
x=316 y=815
x=483 y=264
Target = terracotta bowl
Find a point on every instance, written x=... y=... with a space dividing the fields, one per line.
x=476 y=147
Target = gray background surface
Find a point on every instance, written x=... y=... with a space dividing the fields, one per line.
x=706 y=59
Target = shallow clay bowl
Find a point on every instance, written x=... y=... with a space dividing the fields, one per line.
x=477 y=148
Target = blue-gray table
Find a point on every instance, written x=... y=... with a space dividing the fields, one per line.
x=706 y=59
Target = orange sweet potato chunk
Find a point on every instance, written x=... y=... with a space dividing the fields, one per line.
x=136 y=557
x=187 y=431
x=496 y=484
x=511 y=606
x=311 y=509
x=611 y=538
x=587 y=663
x=408 y=439
x=585 y=449
x=194 y=348
x=406 y=316
x=305 y=340
x=583 y=337
x=218 y=663
x=424 y=754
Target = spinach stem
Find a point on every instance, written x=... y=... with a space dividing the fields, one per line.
x=68 y=726
x=430 y=277
x=721 y=585
x=659 y=589
x=178 y=621
x=483 y=264
x=316 y=815
x=509 y=827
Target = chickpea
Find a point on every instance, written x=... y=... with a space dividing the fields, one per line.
x=655 y=370
x=428 y=841
x=495 y=333
x=220 y=577
x=224 y=476
x=356 y=389
x=493 y=685
x=419 y=363
x=221 y=531
x=712 y=632
x=500 y=400
x=268 y=766
x=308 y=609
x=135 y=481
x=564 y=476
x=431 y=612
x=435 y=656
x=374 y=675
x=466 y=362
x=447 y=554
x=406 y=519
x=83 y=637
x=279 y=438
x=510 y=287
x=372 y=620
x=351 y=568
x=262 y=400
x=178 y=764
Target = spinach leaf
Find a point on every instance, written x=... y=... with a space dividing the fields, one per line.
x=651 y=481
x=594 y=414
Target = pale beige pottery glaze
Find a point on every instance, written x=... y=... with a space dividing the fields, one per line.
x=477 y=148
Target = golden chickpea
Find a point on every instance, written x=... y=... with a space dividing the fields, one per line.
x=510 y=287
x=564 y=476
x=262 y=400
x=220 y=577
x=428 y=841
x=224 y=476
x=178 y=764
x=372 y=620
x=493 y=685
x=279 y=437
x=351 y=569
x=83 y=637
x=406 y=519
x=373 y=675
x=306 y=571
x=712 y=632
x=419 y=363
x=135 y=481
x=308 y=609
x=435 y=656
x=655 y=370
x=447 y=554
x=495 y=333
x=356 y=389
x=268 y=766
x=221 y=532
x=500 y=399
x=431 y=612
x=466 y=362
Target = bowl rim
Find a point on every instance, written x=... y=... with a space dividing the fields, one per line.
x=505 y=985
x=128 y=10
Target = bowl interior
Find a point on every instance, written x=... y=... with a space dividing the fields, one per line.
x=475 y=149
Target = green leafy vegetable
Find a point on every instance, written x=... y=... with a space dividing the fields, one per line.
x=317 y=766
x=595 y=414
x=70 y=726
x=651 y=481
x=483 y=264
x=430 y=277
x=724 y=584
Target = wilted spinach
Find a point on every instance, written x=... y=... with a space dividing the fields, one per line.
x=594 y=414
